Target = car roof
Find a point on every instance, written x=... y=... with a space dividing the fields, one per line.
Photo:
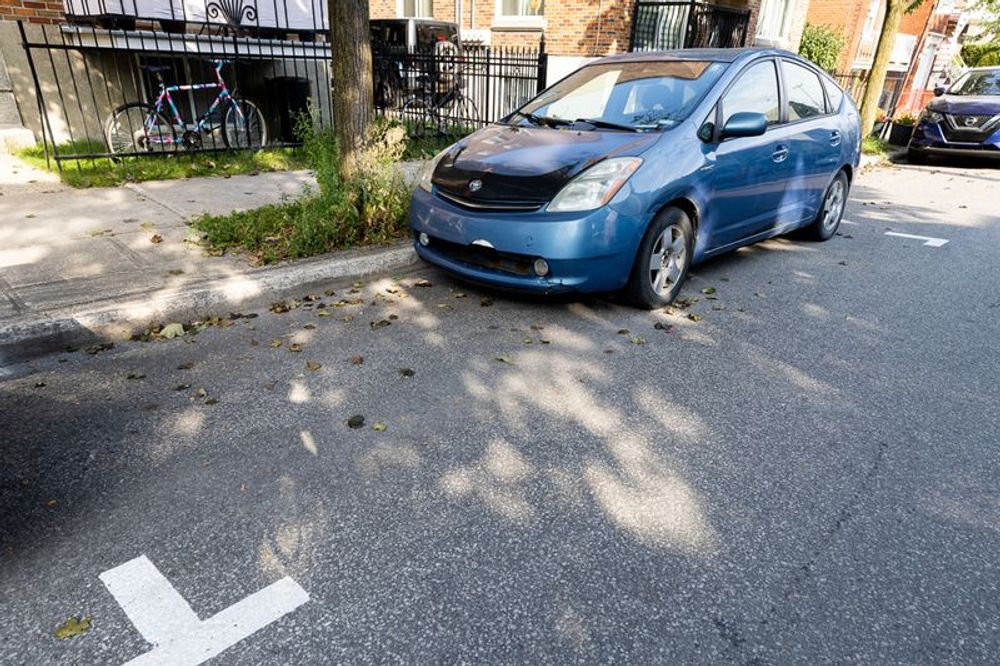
x=712 y=55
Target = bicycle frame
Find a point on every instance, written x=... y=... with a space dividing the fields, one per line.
x=201 y=122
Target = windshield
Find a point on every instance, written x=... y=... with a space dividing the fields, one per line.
x=985 y=82
x=630 y=95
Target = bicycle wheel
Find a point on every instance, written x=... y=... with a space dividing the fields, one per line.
x=244 y=128
x=138 y=128
x=419 y=118
x=463 y=116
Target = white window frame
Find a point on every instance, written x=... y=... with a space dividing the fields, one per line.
x=780 y=37
x=508 y=22
x=401 y=4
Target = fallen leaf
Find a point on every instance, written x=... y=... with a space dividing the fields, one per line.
x=309 y=327
x=156 y=238
x=73 y=626
x=460 y=294
x=135 y=375
x=98 y=348
x=212 y=401
x=172 y=331
x=660 y=326
x=279 y=308
x=313 y=365
x=182 y=387
x=356 y=421
x=39 y=384
x=537 y=327
x=708 y=290
x=406 y=372
x=330 y=292
x=486 y=302
x=623 y=331
x=381 y=323
x=526 y=340
x=201 y=393
x=51 y=503
x=323 y=313
x=275 y=343
x=378 y=426
x=347 y=318
x=718 y=306
x=638 y=341
x=175 y=271
x=422 y=283
x=357 y=359
x=186 y=365
x=545 y=341
x=694 y=317
x=295 y=347
x=504 y=359
x=359 y=285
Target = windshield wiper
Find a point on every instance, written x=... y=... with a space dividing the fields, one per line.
x=597 y=122
x=542 y=120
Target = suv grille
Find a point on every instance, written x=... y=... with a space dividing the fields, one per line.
x=969 y=128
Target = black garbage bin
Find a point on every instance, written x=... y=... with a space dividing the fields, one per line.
x=290 y=99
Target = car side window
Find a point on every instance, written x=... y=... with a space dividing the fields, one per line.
x=804 y=92
x=755 y=91
x=834 y=94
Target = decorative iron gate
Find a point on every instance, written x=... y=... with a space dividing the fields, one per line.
x=684 y=24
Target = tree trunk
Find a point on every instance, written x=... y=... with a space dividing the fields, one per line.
x=880 y=64
x=351 y=77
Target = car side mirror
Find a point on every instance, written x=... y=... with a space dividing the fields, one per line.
x=938 y=91
x=745 y=123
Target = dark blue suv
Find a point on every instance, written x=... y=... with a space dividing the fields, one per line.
x=963 y=120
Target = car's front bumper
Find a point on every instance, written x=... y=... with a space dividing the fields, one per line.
x=586 y=252
x=929 y=138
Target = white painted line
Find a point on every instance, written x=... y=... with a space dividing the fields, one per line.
x=928 y=241
x=166 y=620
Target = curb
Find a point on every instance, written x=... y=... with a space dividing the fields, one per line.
x=256 y=288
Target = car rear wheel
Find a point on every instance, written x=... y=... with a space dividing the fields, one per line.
x=662 y=263
x=830 y=213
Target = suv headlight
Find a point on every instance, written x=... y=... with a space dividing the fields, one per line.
x=596 y=186
x=428 y=171
x=931 y=116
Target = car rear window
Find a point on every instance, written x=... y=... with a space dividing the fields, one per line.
x=834 y=94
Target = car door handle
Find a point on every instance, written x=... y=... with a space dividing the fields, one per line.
x=780 y=154
x=835 y=138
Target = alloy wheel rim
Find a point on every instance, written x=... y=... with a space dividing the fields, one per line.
x=666 y=262
x=834 y=205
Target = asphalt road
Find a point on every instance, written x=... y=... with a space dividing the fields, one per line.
x=807 y=473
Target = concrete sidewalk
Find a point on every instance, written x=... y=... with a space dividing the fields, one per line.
x=94 y=263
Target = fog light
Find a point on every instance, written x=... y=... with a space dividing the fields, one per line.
x=541 y=267
x=424 y=239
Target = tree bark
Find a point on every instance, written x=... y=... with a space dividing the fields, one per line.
x=880 y=64
x=351 y=74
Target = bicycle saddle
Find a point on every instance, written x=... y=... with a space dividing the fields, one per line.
x=157 y=68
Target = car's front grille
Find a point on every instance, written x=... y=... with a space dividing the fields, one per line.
x=485 y=257
x=969 y=128
x=489 y=204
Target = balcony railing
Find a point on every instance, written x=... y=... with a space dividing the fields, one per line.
x=659 y=26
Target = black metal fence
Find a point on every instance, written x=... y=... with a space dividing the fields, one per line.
x=677 y=24
x=452 y=89
x=109 y=92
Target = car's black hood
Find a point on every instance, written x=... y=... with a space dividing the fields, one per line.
x=966 y=105
x=527 y=166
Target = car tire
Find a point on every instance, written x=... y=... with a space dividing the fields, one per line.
x=914 y=156
x=662 y=262
x=830 y=211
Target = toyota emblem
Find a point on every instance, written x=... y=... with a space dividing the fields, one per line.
x=475 y=185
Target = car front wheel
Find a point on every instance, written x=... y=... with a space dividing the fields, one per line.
x=663 y=260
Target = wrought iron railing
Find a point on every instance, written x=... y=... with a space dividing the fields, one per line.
x=676 y=24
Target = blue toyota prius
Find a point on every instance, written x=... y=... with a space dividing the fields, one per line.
x=630 y=170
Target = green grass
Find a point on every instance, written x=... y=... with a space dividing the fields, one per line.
x=108 y=173
x=873 y=145
x=367 y=208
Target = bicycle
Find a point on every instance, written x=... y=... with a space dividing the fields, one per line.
x=141 y=127
x=441 y=107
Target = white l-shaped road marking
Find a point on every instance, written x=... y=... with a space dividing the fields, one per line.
x=928 y=241
x=166 y=620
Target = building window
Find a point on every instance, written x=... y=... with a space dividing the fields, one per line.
x=772 y=22
x=519 y=15
x=522 y=7
x=416 y=8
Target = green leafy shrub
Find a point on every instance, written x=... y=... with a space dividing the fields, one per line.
x=983 y=54
x=823 y=45
x=369 y=207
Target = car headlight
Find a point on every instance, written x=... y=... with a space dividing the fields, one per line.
x=428 y=171
x=596 y=186
x=931 y=116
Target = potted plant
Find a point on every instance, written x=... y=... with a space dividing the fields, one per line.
x=880 y=120
x=902 y=128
